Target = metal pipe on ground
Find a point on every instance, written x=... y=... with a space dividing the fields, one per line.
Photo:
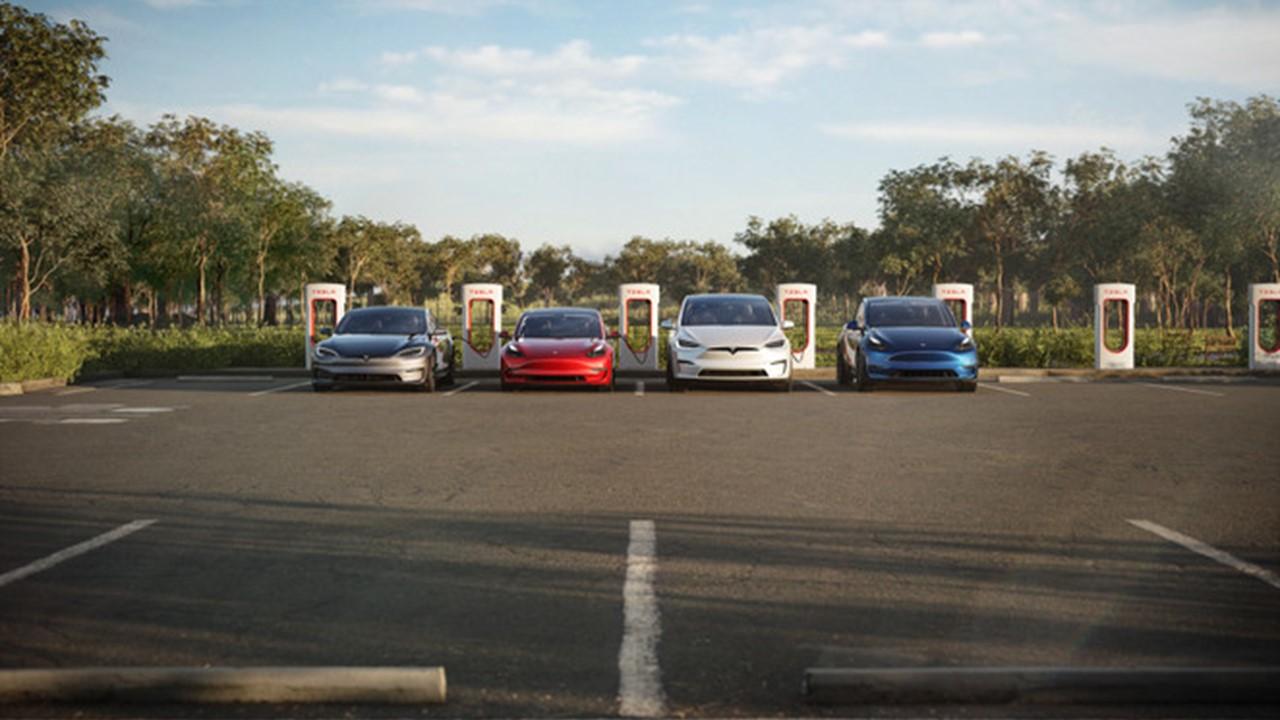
x=373 y=685
x=1048 y=686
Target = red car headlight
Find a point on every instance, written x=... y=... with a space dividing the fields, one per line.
x=596 y=351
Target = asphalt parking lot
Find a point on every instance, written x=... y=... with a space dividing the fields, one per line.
x=568 y=553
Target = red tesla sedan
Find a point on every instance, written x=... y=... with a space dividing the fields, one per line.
x=558 y=346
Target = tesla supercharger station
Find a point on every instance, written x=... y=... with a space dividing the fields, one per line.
x=481 y=323
x=1264 y=326
x=958 y=297
x=322 y=305
x=1113 y=305
x=798 y=302
x=638 y=309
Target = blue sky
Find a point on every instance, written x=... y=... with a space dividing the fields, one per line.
x=588 y=122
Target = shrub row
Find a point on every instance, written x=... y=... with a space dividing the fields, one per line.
x=64 y=351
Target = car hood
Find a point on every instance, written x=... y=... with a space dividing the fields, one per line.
x=534 y=348
x=371 y=345
x=731 y=335
x=919 y=338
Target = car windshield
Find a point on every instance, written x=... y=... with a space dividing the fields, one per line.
x=559 y=325
x=728 y=311
x=909 y=314
x=383 y=321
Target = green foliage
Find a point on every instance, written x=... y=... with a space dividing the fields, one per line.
x=30 y=352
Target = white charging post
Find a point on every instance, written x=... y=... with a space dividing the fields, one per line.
x=643 y=354
x=481 y=323
x=798 y=302
x=323 y=305
x=1113 y=305
x=958 y=297
x=1264 y=326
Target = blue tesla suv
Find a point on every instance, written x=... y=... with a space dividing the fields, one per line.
x=906 y=339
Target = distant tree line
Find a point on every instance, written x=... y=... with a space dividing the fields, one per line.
x=188 y=221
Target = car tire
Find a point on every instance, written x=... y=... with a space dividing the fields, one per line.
x=783 y=385
x=843 y=376
x=448 y=378
x=861 y=381
x=967 y=386
x=673 y=385
x=317 y=387
x=428 y=384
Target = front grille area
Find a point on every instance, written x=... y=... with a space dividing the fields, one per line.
x=554 y=378
x=921 y=357
x=359 y=377
x=733 y=373
x=732 y=350
x=924 y=373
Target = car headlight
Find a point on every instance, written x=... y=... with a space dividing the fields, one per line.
x=774 y=345
x=596 y=351
x=965 y=344
x=324 y=352
x=514 y=351
x=412 y=352
x=686 y=343
x=876 y=342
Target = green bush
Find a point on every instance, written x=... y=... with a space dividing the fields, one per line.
x=28 y=352
x=136 y=350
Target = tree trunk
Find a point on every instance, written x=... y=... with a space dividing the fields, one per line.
x=1054 y=314
x=201 y=286
x=262 y=291
x=24 y=279
x=1226 y=305
x=1000 y=300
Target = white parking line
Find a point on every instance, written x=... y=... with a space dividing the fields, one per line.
x=639 y=388
x=459 y=389
x=989 y=386
x=280 y=388
x=79 y=549
x=1182 y=389
x=640 y=687
x=817 y=387
x=91 y=421
x=143 y=410
x=1209 y=551
x=76 y=391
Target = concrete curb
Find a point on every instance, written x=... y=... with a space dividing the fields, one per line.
x=380 y=685
x=8 y=389
x=1052 y=686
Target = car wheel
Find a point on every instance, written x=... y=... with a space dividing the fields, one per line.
x=428 y=376
x=317 y=387
x=673 y=385
x=783 y=385
x=861 y=381
x=967 y=386
x=843 y=376
x=448 y=378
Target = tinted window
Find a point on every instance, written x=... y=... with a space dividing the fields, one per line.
x=728 y=311
x=909 y=314
x=559 y=325
x=383 y=321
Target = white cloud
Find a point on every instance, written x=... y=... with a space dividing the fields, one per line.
x=394 y=59
x=1239 y=47
x=1012 y=136
x=759 y=60
x=447 y=7
x=341 y=85
x=173 y=4
x=573 y=58
x=965 y=38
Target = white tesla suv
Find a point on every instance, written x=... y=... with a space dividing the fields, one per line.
x=727 y=338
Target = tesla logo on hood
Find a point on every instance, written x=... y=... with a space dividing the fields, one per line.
x=366 y=358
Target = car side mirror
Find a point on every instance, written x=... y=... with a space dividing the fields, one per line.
x=852 y=326
x=504 y=335
x=614 y=335
x=788 y=324
x=965 y=325
x=668 y=325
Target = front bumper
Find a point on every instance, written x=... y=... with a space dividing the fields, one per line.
x=374 y=371
x=575 y=371
x=922 y=366
x=759 y=365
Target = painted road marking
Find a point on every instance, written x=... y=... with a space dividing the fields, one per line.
x=118 y=385
x=1011 y=391
x=457 y=390
x=640 y=687
x=1182 y=389
x=92 y=421
x=639 y=388
x=818 y=387
x=280 y=388
x=143 y=410
x=76 y=391
x=1209 y=551
x=80 y=549
x=225 y=378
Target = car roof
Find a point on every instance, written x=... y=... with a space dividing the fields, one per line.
x=900 y=299
x=727 y=296
x=384 y=308
x=540 y=311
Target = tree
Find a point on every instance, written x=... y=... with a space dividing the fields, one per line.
x=786 y=250
x=924 y=219
x=48 y=77
x=547 y=268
